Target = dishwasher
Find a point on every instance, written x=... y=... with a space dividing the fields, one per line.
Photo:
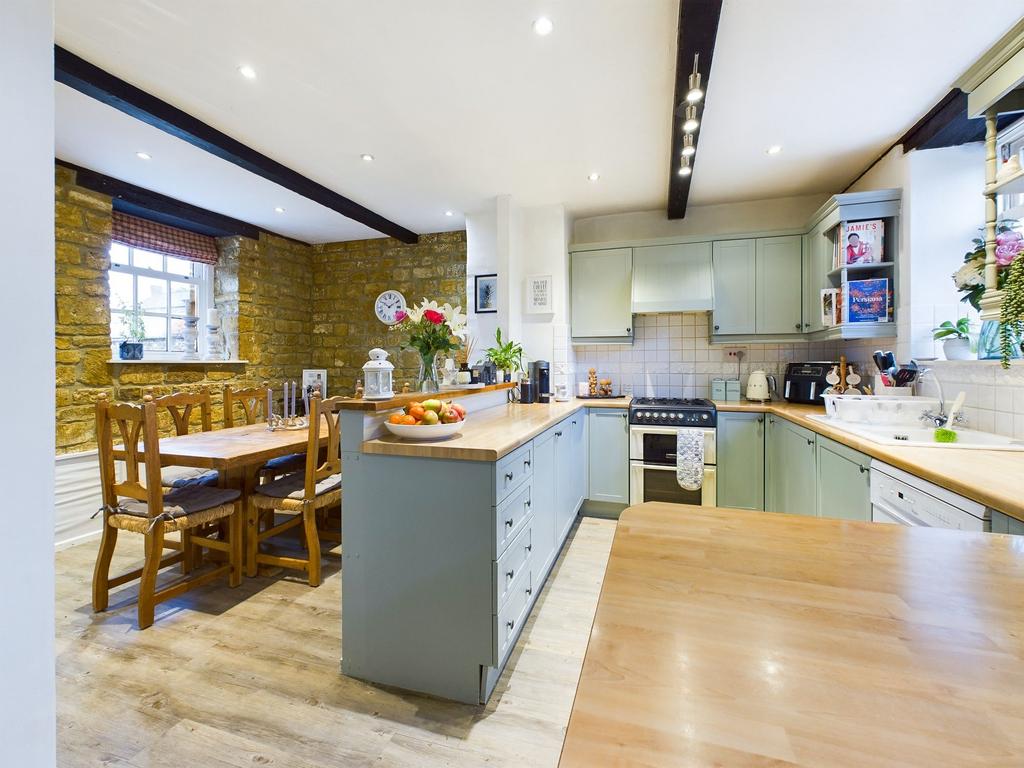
x=901 y=498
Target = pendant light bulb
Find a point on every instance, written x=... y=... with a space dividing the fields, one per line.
x=691 y=122
x=684 y=166
x=688 y=149
x=694 y=94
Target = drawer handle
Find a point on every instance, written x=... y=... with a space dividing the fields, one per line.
x=558 y=434
x=798 y=326
x=529 y=547
x=810 y=442
x=511 y=623
x=529 y=503
x=510 y=574
x=862 y=469
x=529 y=590
x=526 y=463
x=509 y=522
x=508 y=476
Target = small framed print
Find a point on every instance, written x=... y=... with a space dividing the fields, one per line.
x=485 y=289
x=314 y=378
x=538 y=295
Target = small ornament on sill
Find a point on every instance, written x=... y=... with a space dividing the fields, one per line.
x=405 y=388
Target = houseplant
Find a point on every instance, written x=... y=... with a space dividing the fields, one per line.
x=957 y=338
x=507 y=357
x=430 y=329
x=133 y=331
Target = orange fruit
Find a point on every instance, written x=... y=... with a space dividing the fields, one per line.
x=417 y=411
x=396 y=418
x=407 y=419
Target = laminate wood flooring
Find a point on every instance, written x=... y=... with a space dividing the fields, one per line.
x=250 y=676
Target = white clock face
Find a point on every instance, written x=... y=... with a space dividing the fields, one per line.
x=387 y=306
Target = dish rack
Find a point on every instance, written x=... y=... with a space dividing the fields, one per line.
x=888 y=410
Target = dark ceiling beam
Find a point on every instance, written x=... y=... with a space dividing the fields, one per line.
x=947 y=125
x=151 y=205
x=698 y=28
x=77 y=73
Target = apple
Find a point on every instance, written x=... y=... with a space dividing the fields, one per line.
x=430 y=417
x=459 y=409
x=450 y=417
x=432 y=405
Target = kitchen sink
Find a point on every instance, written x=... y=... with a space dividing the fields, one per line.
x=924 y=437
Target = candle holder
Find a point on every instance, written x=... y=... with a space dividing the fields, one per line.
x=276 y=423
x=191 y=337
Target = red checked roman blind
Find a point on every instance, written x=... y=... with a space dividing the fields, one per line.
x=140 y=233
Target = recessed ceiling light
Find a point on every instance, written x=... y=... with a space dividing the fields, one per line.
x=774 y=149
x=143 y=155
x=279 y=209
x=449 y=213
x=247 y=72
x=594 y=176
x=543 y=26
x=367 y=158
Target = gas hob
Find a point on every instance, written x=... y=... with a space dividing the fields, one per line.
x=672 y=411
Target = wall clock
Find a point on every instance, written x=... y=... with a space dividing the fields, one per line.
x=387 y=306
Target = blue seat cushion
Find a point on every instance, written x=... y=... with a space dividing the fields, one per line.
x=183 y=501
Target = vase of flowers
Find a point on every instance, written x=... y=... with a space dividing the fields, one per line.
x=430 y=329
x=998 y=340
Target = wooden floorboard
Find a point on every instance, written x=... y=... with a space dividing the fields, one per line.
x=227 y=678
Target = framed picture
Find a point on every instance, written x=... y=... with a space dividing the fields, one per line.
x=538 y=295
x=314 y=378
x=485 y=293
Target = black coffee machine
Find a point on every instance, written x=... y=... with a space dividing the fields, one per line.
x=540 y=376
x=805 y=382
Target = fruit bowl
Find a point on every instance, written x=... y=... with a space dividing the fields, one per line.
x=424 y=431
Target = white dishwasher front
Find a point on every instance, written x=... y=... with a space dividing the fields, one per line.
x=901 y=498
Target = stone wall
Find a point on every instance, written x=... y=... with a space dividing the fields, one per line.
x=348 y=277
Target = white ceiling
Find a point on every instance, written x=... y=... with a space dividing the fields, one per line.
x=459 y=100
x=832 y=82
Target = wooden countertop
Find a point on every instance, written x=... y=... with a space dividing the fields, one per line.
x=992 y=478
x=734 y=638
x=398 y=401
x=491 y=433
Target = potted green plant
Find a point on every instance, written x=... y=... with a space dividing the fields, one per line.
x=133 y=331
x=957 y=338
x=507 y=357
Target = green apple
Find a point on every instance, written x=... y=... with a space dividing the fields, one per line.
x=432 y=405
x=430 y=417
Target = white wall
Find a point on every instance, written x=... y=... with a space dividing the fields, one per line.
x=481 y=259
x=711 y=220
x=27 y=703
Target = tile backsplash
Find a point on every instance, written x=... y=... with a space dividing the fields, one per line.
x=995 y=397
x=672 y=357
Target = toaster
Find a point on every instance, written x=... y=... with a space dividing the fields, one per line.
x=805 y=382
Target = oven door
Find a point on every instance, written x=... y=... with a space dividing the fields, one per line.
x=657 y=445
x=654 y=482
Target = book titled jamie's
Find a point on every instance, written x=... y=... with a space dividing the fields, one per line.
x=866 y=301
x=862 y=241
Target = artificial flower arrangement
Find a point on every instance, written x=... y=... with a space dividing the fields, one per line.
x=430 y=329
x=970 y=278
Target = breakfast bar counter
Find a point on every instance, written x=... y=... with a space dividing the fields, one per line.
x=728 y=637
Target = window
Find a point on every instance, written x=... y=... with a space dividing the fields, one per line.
x=165 y=289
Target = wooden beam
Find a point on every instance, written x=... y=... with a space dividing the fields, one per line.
x=698 y=28
x=947 y=125
x=77 y=73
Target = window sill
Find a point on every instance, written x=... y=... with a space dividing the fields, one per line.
x=192 y=363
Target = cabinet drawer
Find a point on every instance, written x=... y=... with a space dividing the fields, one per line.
x=510 y=517
x=513 y=469
x=510 y=619
x=511 y=565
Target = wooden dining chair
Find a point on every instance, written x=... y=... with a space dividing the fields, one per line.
x=182 y=406
x=301 y=495
x=140 y=504
x=253 y=404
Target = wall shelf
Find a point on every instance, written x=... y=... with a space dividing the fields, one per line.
x=1008 y=185
x=845 y=331
x=188 y=363
x=861 y=268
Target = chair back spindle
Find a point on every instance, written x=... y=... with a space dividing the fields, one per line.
x=180 y=406
x=323 y=413
x=253 y=401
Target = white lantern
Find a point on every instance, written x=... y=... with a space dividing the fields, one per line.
x=377 y=376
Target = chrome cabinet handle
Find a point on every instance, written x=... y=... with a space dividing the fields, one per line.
x=508 y=476
x=511 y=623
x=508 y=523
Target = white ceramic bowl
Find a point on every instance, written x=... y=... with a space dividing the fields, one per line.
x=424 y=431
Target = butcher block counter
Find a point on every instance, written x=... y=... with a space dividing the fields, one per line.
x=734 y=638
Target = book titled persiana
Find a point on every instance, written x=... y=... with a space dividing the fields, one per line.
x=866 y=301
x=862 y=242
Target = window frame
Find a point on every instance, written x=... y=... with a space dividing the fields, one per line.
x=202 y=278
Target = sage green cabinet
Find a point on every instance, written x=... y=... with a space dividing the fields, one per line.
x=790 y=468
x=602 y=290
x=734 y=275
x=1005 y=524
x=544 y=501
x=778 y=285
x=608 y=455
x=672 y=278
x=844 y=481
x=739 y=447
x=817 y=258
x=570 y=471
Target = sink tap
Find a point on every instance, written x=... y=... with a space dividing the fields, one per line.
x=937 y=419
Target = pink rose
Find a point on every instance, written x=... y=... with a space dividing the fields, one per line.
x=1010 y=237
x=400 y=315
x=433 y=316
x=1005 y=254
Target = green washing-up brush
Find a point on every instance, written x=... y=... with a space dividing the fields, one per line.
x=945 y=434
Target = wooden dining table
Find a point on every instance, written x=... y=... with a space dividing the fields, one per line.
x=237 y=453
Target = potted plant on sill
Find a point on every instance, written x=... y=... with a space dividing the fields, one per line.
x=507 y=357
x=957 y=339
x=133 y=331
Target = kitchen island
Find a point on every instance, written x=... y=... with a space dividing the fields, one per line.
x=447 y=543
x=728 y=637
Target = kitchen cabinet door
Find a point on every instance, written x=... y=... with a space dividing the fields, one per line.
x=602 y=283
x=740 y=452
x=577 y=428
x=779 y=285
x=568 y=449
x=1005 y=524
x=817 y=264
x=672 y=278
x=544 y=501
x=791 y=468
x=844 y=481
x=608 y=455
x=733 y=263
